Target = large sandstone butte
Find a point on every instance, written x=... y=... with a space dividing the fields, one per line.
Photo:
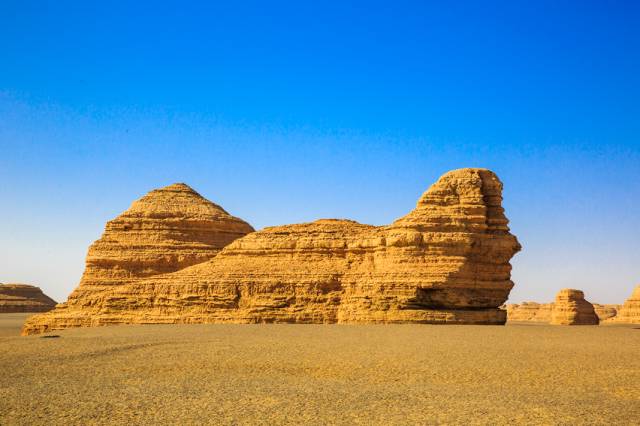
x=571 y=308
x=16 y=298
x=447 y=261
x=629 y=313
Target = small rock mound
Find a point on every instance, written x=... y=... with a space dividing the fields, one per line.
x=571 y=308
x=16 y=298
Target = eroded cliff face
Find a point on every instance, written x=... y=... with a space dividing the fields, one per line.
x=571 y=308
x=165 y=231
x=15 y=298
x=629 y=313
x=447 y=261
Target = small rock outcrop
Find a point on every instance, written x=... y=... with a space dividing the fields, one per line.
x=571 y=308
x=629 y=313
x=606 y=312
x=447 y=261
x=15 y=298
x=529 y=312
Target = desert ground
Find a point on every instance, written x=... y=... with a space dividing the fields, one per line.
x=320 y=374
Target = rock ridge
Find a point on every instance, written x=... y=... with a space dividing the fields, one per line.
x=17 y=298
x=446 y=261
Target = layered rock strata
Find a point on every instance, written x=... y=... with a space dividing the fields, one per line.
x=15 y=298
x=447 y=261
x=529 y=312
x=629 y=313
x=166 y=230
x=571 y=308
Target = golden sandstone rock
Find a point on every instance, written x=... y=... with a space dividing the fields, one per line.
x=16 y=298
x=629 y=313
x=541 y=312
x=447 y=261
x=529 y=312
x=570 y=308
x=166 y=230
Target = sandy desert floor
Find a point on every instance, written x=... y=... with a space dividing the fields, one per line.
x=320 y=374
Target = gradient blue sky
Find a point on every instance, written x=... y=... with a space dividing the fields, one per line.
x=290 y=111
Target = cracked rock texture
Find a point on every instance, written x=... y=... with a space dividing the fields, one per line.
x=571 y=308
x=15 y=298
x=447 y=261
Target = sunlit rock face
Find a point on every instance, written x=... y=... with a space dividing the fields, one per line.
x=447 y=261
x=571 y=308
x=167 y=230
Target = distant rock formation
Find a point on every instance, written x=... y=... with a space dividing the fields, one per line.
x=15 y=298
x=570 y=308
x=541 y=312
x=529 y=312
x=629 y=313
x=606 y=312
x=447 y=261
x=166 y=230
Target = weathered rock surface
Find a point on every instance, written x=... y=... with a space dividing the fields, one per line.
x=16 y=298
x=447 y=261
x=529 y=312
x=571 y=308
x=166 y=230
x=629 y=313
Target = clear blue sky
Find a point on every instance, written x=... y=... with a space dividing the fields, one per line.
x=287 y=112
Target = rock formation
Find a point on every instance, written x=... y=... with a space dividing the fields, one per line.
x=529 y=312
x=166 y=230
x=629 y=313
x=447 y=261
x=606 y=312
x=570 y=308
x=16 y=298
x=541 y=312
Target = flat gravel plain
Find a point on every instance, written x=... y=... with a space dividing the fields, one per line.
x=320 y=374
